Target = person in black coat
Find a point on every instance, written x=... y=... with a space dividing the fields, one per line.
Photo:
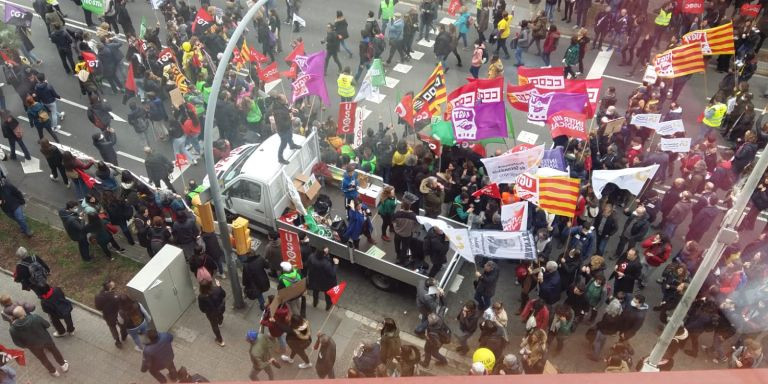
x=107 y=302
x=605 y=226
x=12 y=203
x=485 y=285
x=211 y=301
x=158 y=168
x=9 y=125
x=550 y=285
x=75 y=227
x=58 y=307
x=576 y=298
x=626 y=271
x=199 y=259
x=22 y=275
x=255 y=279
x=632 y=317
x=436 y=247
x=105 y=142
x=609 y=325
x=703 y=220
x=321 y=274
x=185 y=232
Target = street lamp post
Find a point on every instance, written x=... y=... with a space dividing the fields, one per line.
x=213 y=99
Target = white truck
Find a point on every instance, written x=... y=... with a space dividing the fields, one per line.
x=253 y=186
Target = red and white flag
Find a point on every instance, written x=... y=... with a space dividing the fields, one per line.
x=404 y=109
x=568 y=123
x=514 y=217
x=297 y=51
x=269 y=73
x=527 y=187
x=434 y=144
x=257 y=56
x=335 y=292
x=91 y=61
x=347 y=114
x=16 y=354
x=202 y=21
x=290 y=248
x=750 y=10
x=491 y=190
x=181 y=160
x=454 y=7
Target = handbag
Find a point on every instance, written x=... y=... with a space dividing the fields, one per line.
x=18 y=132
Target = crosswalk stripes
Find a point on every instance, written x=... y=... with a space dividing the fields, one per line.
x=416 y=55
x=402 y=68
x=428 y=44
x=391 y=82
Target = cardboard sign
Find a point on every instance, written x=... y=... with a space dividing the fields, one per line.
x=668 y=127
x=650 y=75
x=613 y=126
x=679 y=145
x=177 y=99
x=645 y=119
x=290 y=247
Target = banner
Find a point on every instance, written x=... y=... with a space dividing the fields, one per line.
x=491 y=190
x=591 y=87
x=631 y=179
x=166 y=56
x=347 y=113
x=457 y=237
x=506 y=168
x=558 y=194
x=434 y=144
x=202 y=22
x=269 y=73
x=404 y=109
x=694 y=7
x=543 y=78
x=293 y=194
x=336 y=292
x=503 y=245
x=377 y=73
x=94 y=6
x=645 y=119
x=518 y=96
x=650 y=75
x=181 y=160
x=750 y=10
x=290 y=248
x=477 y=110
x=670 y=127
x=542 y=106
x=367 y=89
x=714 y=41
x=568 y=123
x=680 y=61
x=554 y=158
x=527 y=187
x=357 y=139
x=679 y=145
x=514 y=217
x=17 y=16
x=433 y=93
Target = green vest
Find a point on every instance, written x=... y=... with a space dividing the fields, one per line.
x=717 y=119
x=345 y=85
x=290 y=278
x=191 y=194
x=371 y=162
x=663 y=18
x=387 y=9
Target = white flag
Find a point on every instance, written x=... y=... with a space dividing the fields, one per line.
x=514 y=217
x=298 y=19
x=457 y=237
x=631 y=179
x=293 y=194
x=366 y=88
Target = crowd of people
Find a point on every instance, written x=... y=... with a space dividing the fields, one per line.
x=575 y=276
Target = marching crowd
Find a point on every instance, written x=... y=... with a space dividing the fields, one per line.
x=576 y=275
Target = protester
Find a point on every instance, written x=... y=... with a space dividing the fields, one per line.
x=30 y=331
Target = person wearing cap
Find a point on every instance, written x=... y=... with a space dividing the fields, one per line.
x=287 y=278
x=261 y=354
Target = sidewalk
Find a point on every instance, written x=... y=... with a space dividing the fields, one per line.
x=94 y=358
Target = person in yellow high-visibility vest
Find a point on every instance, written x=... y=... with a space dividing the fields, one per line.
x=386 y=13
x=346 y=85
x=661 y=23
x=713 y=116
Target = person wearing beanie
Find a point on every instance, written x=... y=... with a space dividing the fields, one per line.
x=287 y=278
x=261 y=356
x=31 y=272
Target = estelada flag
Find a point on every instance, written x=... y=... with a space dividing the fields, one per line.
x=518 y=96
x=491 y=190
x=714 y=41
x=335 y=292
x=16 y=354
x=404 y=109
x=245 y=52
x=202 y=21
x=683 y=60
x=91 y=61
x=568 y=123
x=130 y=80
x=269 y=73
x=298 y=50
x=433 y=93
x=558 y=195
x=434 y=144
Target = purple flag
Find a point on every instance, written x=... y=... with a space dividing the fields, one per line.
x=477 y=110
x=311 y=80
x=553 y=158
x=542 y=106
x=17 y=16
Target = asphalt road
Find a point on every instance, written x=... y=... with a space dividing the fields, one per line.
x=399 y=305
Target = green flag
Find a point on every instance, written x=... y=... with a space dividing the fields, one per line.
x=510 y=127
x=94 y=6
x=443 y=131
x=377 y=73
x=142 y=27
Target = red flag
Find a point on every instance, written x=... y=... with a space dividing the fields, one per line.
x=297 y=51
x=165 y=56
x=202 y=21
x=141 y=46
x=434 y=144
x=181 y=160
x=290 y=73
x=568 y=123
x=335 y=292
x=750 y=10
x=454 y=7
x=236 y=58
x=269 y=73
x=257 y=56
x=591 y=86
x=422 y=115
x=404 y=109
x=521 y=147
x=291 y=248
x=16 y=354
x=474 y=147
x=130 y=81
x=551 y=78
x=491 y=190
x=519 y=96
x=347 y=114
x=91 y=61
x=6 y=58
x=695 y=7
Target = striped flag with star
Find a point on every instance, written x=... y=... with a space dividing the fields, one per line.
x=433 y=93
x=558 y=195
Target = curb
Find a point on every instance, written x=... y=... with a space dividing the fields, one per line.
x=79 y=304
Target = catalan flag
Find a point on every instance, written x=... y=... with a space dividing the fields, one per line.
x=683 y=60
x=714 y=41
x=558 y=195
x=245 y=52
x=433 y=93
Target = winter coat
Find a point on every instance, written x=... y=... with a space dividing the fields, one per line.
x=635 y=227
x=433 y=199
x=368 y=360
x=609 y=325
x=631 y=319
x=45 y=93
x=73 y=224
x=11 y=198
x=425 y=302
x=656 y=254
x=436 y=247
x=550 y=288
x=395 y=30
x=33 y=114
x=593 y=294
x=213 y=303
x=609 y=228
x=22 y=275
x=186 y=232
x=679 y=212
x=468 y=322
x=30 y=332
x=106 y=147
x=631 y=270
x=332 y=42
x=274 y=255
x=107 y=302
x=158 y=355
x=486 y=283
x=579 y=303
x=442 y=44
x=390 y=345
x=255 y=279
x=321 y=273
x=326 y=356
x=55 y=304
x=158 y=166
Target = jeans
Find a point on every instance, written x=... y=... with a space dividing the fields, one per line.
x=126 y=232
x=549 y=10
x=658 y=31
x=84 y=247
x=135 y=332
x=195 y=142
x=39 y=352
x=422 y=325
x=18 y=216
x=602 y=242
x=670 y=229
x=424 y=29
x=475 y=71
x=12 y=142
x=568 y=11
x=172 y=373
x=597 y=345
x=57 y=324
x=463 y=37
x=118 y=331
x=167 y=182
x=53 y=107
x=462 y=337
x=28 y=53
x=545 y=58
x=286 y=140
x=647 y=269
x=483 y=301
x=343 y=44
x=502 y=44
x=519 y=55
x=180 y=147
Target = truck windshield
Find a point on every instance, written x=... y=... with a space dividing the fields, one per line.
x=236 y=167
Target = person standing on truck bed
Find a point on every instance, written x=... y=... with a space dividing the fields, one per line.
x=405 y=224
x=280 y=120
x=349 y=184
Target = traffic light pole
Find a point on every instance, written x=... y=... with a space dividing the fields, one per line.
x=221 y=69
x=726 y=235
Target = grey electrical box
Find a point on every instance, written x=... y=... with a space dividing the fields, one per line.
x=164 y=286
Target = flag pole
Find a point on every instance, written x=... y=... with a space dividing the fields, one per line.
x=309 y=115
x=320 y=330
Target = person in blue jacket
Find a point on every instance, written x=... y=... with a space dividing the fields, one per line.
x=356 y=221
x=349 y=184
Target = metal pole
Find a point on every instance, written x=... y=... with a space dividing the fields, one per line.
x=221 y=69
x=726 y=235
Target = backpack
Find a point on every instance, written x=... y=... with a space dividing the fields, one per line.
x=203 y=274
x=42 y=115
x=37 y=274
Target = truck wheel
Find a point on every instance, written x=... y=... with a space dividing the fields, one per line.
x=382 y=282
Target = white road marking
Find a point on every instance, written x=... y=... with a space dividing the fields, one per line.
x=428 y=44
x=620 y=79
x=598 y=67
x=28 y=166
x=83 y=107
x=132 y=157
x=416 y=55
x=65 y=133
x=402 y=68
x=376 y=98
x=391 y=82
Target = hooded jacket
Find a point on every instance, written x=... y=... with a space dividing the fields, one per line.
x=30 y=332
x=255 y=279
x=73 y=224
x=433 y=199
x=45 y=93
x=436 y=247
x=55 y=304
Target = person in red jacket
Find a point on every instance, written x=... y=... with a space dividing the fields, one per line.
x=537 y=309
x=731 y=277
x=656 y=249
